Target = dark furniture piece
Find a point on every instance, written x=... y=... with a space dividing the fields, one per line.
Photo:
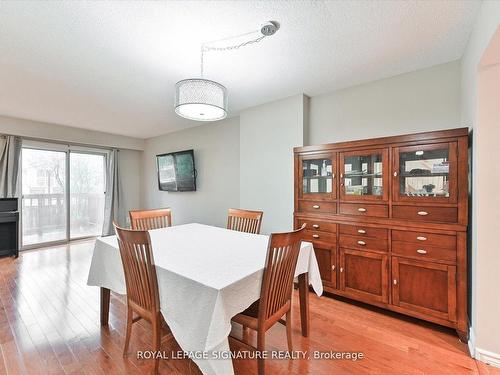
x=244 y=220
x=143 y=299
x=276 y=291
x=9 y=227
x=150 y=219
x=388 y=220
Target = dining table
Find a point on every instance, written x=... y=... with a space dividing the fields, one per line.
x=206 y=275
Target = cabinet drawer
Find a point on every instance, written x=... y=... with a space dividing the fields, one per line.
x=425 y=239
x=318 y=207
x=318 y=225
x=378 y=210
x=362 y=243
x=361 y=231
x=423 y=252
x=419 y=213
x=313 y=236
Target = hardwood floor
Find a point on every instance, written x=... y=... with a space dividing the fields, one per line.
x=49 y=324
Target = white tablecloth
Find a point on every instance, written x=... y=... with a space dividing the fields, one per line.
x=206 y=275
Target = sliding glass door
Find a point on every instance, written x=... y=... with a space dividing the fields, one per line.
x=86 y=194
x=63 y=194
x=44 y=208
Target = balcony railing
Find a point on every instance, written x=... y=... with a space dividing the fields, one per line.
x=44 y=216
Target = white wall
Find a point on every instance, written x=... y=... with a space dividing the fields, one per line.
x=423 y=100
x=485 y=331
x=216 y=150
x=268 y=134
x=130 y=164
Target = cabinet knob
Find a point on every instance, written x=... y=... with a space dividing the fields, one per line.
x=315 y=235
x=316 y=206
x=333 y=175
x=395 y=282
x=421 y=251
x=341 y=175
x=361 y=209
x=422 y=213
x=315 y=226
x=395 y=174
x=333 y=267
x=341 y=269
x=422 y=238
x=361 y=231
x=362 y=243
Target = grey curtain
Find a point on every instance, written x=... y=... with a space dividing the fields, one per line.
x=10 y=155
x=112 y=203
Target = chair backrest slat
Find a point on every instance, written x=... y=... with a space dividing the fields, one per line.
x=279 y=271
x=151 y=219
x=244 y=220
x=139 y=269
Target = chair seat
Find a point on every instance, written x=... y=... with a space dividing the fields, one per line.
x=249 y=317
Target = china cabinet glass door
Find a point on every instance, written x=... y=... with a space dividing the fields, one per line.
x=317 y=176
x=364 y=175
x=426 y=173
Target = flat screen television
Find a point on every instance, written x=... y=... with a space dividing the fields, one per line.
x=176 y=171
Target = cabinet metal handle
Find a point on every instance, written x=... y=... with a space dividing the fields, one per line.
x=361 y=209
x=395 y=282
x=333 y=267
x=395 y=174
x=315 y=235
x=362 y=243
x=341 y=269
x=316 y=206
x=421 y=251
x=422 y=238
x=315 y=226
x=361 y=231
x=422 y=213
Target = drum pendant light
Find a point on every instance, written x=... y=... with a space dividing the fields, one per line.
x=201 y=99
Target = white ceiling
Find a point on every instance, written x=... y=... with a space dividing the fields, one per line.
x=112 y=66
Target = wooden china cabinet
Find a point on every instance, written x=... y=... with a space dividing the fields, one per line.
x=388 y=220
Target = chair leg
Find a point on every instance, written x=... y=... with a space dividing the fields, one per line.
x=261 y=347
x=156 y=343
x=128 y=331
x=289 y=330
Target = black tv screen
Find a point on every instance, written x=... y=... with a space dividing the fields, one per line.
x=176 y=171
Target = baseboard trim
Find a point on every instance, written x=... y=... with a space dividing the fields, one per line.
x=488 y=357
x=472 y=343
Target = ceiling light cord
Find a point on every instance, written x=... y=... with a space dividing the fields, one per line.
x=205 y=47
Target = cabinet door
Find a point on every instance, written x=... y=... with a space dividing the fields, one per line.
x=326 y=256
x=428 y=288
x=317 y=176
x=426 y=173
x=364 y=175
x=364 y=275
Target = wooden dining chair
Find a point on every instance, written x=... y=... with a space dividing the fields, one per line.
x=151 y=219
x=141 y=284
x=276 y=290
x=244 y=220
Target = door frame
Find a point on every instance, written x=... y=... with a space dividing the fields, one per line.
x=67 y=148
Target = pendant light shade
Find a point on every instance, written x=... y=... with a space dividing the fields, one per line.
x=200 y=99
